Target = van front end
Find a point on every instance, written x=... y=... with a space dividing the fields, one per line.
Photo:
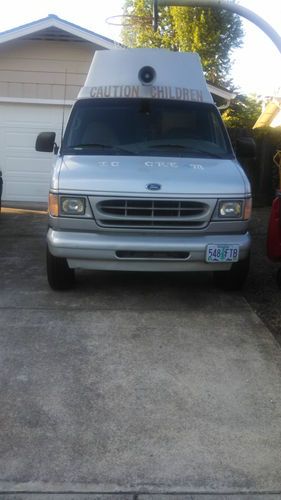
x=168 y=234
x=159 y=227
x=146 y=178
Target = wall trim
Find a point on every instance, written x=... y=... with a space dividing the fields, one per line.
x=27 y=100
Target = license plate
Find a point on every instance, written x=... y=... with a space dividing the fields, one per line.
x=222 y=253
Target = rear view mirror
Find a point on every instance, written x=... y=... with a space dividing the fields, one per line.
x=245 y=147
x=45 y=142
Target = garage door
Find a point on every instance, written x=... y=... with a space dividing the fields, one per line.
x=26 y=173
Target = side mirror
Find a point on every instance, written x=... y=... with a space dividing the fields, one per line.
x=245 y=147
x=45 y=142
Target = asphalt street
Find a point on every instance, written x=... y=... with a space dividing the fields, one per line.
x=132 y=386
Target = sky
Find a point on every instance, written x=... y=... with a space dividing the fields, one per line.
x=256 y=66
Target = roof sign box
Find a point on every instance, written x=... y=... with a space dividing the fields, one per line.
x=151 y=73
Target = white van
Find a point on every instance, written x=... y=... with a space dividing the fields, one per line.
x=146 y=178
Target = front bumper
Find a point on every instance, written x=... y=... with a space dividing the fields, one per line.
x=102 y=251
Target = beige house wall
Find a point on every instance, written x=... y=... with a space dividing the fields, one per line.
x=37 y=69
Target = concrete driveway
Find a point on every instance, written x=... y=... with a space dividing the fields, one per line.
x=132 y=385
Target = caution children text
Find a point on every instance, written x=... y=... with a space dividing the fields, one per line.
x=155 y=92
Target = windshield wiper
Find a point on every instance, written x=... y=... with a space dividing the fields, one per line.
x=102 y=146
x=209 y=153
x=156 y=146
x=187 y=148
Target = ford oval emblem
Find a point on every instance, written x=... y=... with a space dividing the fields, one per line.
x=153 y=186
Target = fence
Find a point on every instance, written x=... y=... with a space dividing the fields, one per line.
x=261 y=170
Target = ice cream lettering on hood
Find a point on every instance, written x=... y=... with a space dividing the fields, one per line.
x=183 y=176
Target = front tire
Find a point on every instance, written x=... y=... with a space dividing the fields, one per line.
x=59 y=274
x=235 y=278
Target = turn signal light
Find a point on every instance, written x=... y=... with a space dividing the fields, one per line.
x=247 y=209
x=53 y=205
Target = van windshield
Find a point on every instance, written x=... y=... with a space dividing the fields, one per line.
x=146 y=127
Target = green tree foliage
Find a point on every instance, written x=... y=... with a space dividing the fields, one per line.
x=243 y=112
x=138 y=31
x=213 y=33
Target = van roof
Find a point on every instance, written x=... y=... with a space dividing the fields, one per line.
x=175 y=75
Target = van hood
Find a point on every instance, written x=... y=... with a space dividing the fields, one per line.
x=133 y=175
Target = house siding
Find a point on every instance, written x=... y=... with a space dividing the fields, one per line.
x=44 y=69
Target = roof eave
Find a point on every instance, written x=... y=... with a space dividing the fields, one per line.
x=52 y=22
x=272 y=109
x=225 y=94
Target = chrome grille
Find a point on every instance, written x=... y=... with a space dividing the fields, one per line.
x=151 y=213
x=151 y=208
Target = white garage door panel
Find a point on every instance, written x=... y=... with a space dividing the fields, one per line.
x=32 y=180
x=38 y=192
x=26 y=172
x=28 y=165
x=20 y=139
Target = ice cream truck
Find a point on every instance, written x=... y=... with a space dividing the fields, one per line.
x=146 y=178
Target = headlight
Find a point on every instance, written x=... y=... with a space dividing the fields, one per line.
x=72 y=206
x=230 y=209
